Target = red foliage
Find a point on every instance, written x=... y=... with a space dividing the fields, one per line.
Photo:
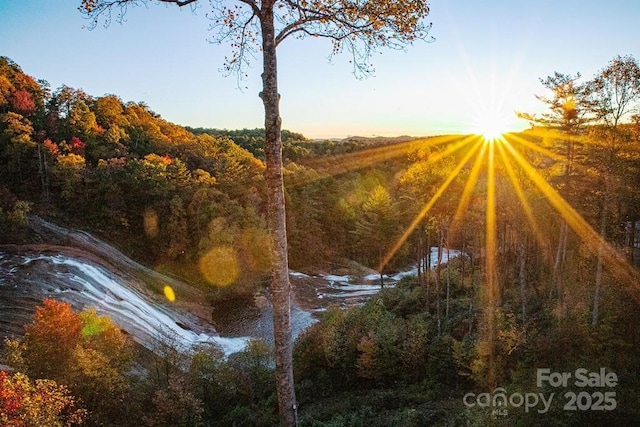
x=77 y=146
x=22 y=102
x=9 y=399
x=24 y=403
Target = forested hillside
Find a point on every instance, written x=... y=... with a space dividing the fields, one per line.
x=547 y=221
x=169 y=196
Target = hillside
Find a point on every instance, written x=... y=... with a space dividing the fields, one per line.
x=546 y=222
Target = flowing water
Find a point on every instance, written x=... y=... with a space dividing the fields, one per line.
x=75 y=267
x=29 y=275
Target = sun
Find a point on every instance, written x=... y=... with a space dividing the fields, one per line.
x=491 y=125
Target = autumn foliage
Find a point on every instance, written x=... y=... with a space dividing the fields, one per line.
x=51 y=339
x=24 y=403
x=85 y=352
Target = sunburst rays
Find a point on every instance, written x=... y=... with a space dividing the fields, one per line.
x=504 y=154
x=490 y=158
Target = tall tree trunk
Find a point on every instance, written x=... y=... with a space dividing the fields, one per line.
x=419 y=259
x=604 y=218
x=522 y=278
x=42 y=171
x=427 y=268
x=381 y=267
x=463 y=260
x=472 y=291
x=557 y=284
x=280 y=285
x=561 y=254
x=446 y=315
x=437 y=278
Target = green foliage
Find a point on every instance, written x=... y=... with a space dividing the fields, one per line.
x=175 y=406
x=177 y=198
x=13 y=214
x=252 y=140
x=401 y=406
x=383 y=342
x=67 y=174
x=239 y=390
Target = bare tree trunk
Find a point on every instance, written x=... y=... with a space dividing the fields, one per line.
x=473 y=291
x=446 y=315
x=561 y=254
x=280 y=285
x=427 y=268
x=419 y=259
x=522 y=278
x=437 y=278
x=428 y=253
x=557 y=284
x=381 y=268
x=595 y=314
x=463 y=261
x=42 y=171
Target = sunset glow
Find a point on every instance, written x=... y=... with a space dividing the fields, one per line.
x=491 y=125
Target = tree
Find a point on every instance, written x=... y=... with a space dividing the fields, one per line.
x=250 y=26
x=13 y=213
x=568 y=113
x=38 y=403
x=51 y=339
x=614 y=93
x=376 y=227
x=175 y=405
x=177 y=229
x=67 y=173
x=85 y=352
x=100 y=366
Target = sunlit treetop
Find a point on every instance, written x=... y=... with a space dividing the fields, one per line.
x=360 y=27
x=567 y=100
x=615 y=91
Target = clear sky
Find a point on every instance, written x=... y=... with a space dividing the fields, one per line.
x=487 y=55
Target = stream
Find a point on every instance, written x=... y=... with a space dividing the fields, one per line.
x=75 y=267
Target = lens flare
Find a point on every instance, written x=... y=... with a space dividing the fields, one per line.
x=220 y=266
x=169 y=294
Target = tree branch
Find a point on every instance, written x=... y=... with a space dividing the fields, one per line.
x=253 y=5
x=179 y=3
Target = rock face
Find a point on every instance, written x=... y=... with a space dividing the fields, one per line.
x=28 y=274
x=75 y=267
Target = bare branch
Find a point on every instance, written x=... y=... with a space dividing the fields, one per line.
x=359 y=27
x=179 y=3
x=238 y=27
x=253 y=5
x=96 y=9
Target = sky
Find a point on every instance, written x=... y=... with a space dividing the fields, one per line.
x=486 y=58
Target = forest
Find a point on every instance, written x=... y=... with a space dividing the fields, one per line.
x=547 y=221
